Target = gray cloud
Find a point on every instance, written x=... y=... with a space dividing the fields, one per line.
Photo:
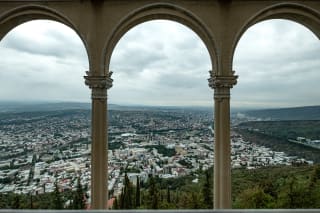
x=164 y=69
x=181 y=80
x=278 y=65
x=163 y=63
x=43 y=60
x=45 y=38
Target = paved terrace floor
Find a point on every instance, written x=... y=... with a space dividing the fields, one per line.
x=168 y=211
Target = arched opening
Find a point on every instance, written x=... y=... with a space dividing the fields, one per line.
x=277 y=62
x=22 y=14
x=34 y=54
x=276 y=52
x=179 y=61
x=164 y=11
x=44 y=114
x=160 y=70
x=298 y=13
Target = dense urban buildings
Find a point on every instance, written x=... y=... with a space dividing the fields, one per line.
x=41 y=148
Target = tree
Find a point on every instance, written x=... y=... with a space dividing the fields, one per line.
x=184 y=201
x=31 y=201
x=315 y=176
x=168 y=195
x=4 y=201
x=137 y=204
x=127 y=194
x=31 y=173
x=195 y=200
x=207 y=191
x=295 y=195
x=254 y=198
x=269 y=187
x=153 y=194
x=314 y=187
x=56 y=198
x=16 y=202
x=121 y=204
x=34 y=159
x=116 y=203
x=79 y=197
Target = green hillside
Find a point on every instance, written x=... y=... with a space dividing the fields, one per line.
x=296 y=113
x=286 y=129
x=284 y=187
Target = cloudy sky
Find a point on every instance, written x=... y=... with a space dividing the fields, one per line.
x=162 y=63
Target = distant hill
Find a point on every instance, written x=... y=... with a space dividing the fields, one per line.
x=157 y=108
x=7 y=107
x=295 y=113
x=40 y=106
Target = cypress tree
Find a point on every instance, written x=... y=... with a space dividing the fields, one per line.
x=127 y=193
x=4 y=201
x=195 y=204
x=168 y=195
x=16 y=202
x=31 y=201
x=138 y=192
x=116 y=204
x=121 y=205
x=78 y=199
x=57 y=199
x=207 y=191
x=153 y=194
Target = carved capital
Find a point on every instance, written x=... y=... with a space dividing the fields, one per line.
x=222 y=81
x=99 y=85
x=222 y=84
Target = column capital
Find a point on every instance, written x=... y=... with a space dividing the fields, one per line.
x=98 y=84
x=222 y=84
x=216 y=81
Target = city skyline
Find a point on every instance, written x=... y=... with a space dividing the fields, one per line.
x=276 y=59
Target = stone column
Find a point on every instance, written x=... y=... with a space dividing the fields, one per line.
x=99 y=154
x=222 y=153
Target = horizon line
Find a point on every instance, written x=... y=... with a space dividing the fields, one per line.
x=145 y=105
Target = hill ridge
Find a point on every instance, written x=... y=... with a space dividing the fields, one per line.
x=288 y=113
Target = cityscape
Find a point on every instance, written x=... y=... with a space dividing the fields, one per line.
x=39 y=149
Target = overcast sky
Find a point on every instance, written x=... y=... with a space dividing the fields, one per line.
x=163 y=63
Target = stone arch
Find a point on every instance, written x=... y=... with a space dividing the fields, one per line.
x=299 y=13
x=160 y=11
x=20 y=15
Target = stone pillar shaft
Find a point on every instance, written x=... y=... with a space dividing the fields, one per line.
x=222 y=170
x=99 y=155
x=99 y=146
x=222 y=149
